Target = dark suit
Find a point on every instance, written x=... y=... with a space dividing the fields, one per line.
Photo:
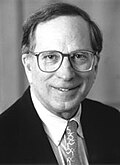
x=23 y=139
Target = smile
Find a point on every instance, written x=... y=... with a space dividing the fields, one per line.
x=65 y=89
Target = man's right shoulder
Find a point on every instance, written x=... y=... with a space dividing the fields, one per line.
x=15 y=109
x=10 y=116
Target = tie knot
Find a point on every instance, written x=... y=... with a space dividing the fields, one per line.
x=72 y=125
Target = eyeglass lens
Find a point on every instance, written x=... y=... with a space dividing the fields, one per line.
x=52 y=60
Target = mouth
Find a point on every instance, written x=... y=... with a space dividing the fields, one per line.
x=62 y=89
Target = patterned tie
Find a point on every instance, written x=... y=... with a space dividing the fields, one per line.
x=71 y=144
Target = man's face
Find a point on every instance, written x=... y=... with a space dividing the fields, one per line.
x=61 y=91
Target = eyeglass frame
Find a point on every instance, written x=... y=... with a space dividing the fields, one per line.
x=95 y=54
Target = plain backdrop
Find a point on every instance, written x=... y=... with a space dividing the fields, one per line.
x=13 y=82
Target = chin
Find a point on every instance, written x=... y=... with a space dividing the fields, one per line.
x=66 y=106
x=65 y=110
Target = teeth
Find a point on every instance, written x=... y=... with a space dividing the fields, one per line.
x=63 y=90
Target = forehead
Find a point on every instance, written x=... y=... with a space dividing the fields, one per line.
x=62 y=30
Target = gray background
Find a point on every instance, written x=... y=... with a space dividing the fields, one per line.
x=106 y=13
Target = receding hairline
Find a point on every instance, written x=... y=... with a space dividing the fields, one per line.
x=57 y=18
x=55 y=10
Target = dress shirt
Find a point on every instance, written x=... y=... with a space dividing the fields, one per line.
x=55 y=126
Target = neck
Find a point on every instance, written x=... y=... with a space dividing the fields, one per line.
x=68 y=115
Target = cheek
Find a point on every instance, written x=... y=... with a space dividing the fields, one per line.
x=38 y=80
x=40 y=83
x=37 y=76
x=88 y=80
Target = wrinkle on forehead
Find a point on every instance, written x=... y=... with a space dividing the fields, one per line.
x=63 y=31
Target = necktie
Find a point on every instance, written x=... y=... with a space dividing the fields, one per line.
x=72 y=155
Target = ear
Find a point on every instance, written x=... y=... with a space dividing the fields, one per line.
x=96 y=62
x=96 y=67
x=27 y=63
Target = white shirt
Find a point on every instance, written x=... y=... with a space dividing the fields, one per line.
x=54 y=125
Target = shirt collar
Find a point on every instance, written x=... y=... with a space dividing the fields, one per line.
x=77 y=119
x=54 y=125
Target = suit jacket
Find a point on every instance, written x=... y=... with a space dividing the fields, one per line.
x=23 y=139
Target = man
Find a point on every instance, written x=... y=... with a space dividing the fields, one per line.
x=60 y=52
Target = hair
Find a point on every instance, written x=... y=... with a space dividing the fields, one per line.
x=55 y=10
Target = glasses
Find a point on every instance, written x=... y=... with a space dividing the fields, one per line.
x=81 y=60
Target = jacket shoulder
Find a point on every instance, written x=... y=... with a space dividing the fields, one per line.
x=100 y=116
x=99 y=107
x=14 y=111
x=101 y=125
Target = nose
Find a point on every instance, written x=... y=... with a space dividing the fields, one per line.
x=65 y=72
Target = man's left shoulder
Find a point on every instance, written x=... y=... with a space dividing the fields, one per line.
x=99 y=107
x=101 y=125
x=100 y=114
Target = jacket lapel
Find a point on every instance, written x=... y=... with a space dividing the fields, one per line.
x=35 y=139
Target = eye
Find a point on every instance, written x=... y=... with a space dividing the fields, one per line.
x=50 y=57
x=80 y=56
